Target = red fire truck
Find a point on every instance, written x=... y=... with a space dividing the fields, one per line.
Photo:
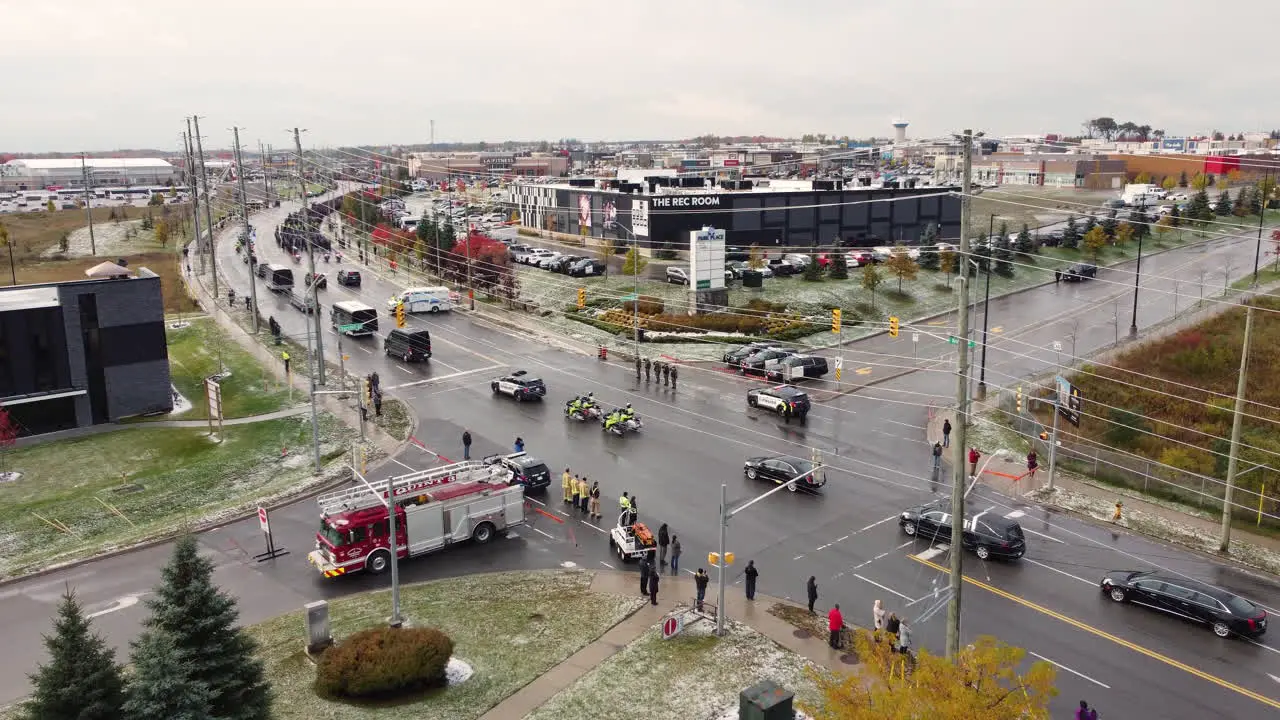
x=435 y=509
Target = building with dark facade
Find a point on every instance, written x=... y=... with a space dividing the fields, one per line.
x=83 y=353
x=826 y=213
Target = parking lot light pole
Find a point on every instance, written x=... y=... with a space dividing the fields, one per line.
x=1137 y=275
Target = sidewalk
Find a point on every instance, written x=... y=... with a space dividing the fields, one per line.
x=1008 y=475
x=675 y=590
x=116 y=427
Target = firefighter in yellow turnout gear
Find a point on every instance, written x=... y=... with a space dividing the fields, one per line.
x=567 y=483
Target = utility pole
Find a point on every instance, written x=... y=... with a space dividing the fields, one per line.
x=88 y=203
x=311 y=258
x=1262 y=214
x=1236 y=421
x=195 y=193
x=266 y=190
x=986 y=307
x=248 y=232
x=208 y=214
x=1137 y=274
x=962 y=410
x=1053 y=438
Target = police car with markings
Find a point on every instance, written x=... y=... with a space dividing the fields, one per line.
x=519 y=385
x=786 y=400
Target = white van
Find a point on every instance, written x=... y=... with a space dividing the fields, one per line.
x=423 y=299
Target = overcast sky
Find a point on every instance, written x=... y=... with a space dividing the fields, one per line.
x=105 y=74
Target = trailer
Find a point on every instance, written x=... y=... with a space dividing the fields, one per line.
x=435 y=509
x=631 y=539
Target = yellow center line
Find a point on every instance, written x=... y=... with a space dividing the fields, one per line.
x=1108 y=636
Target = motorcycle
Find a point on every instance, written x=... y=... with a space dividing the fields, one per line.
x=589 y=412
x=616 y=425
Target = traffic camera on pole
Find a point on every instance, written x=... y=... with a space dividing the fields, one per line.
x=893 y=326
x=835 y=320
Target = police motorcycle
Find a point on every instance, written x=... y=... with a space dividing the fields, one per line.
x=583 y=407
x=621 y=421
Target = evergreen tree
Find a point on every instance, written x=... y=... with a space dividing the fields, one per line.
x=1223 y=206
x=930 y=259
x=81 y=680
x=163 y=686
x=1109 y=225
x=930 y=235
x=201 y=619
x=1003 y=255
x=812 y=270
x=1241 y=206
x=1003 y=233
x=1141 y=223
x=981 y=254
x=1182 y=179
x=1071 y=234
x=1024 y=244
x=1255 y=201
x=839 y=266
x=1198 y=208
x=1175 y=217
x=1089 y=223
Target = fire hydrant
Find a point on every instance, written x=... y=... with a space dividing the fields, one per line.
x=1115 y=517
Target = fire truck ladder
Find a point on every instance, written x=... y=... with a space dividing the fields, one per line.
x=359 y=497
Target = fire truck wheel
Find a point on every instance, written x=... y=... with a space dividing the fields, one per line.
x=483 y=533
x=378 y=562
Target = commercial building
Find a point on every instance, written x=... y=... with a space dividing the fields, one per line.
x=486 y=164
x=661 y=214
x=1096 y=172
x=83 y=353
x=38 y=174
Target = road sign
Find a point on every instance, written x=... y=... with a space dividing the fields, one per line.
x=1069 y=400
x=351 y=327
x=263 y=522
x=672 y=627
x=839 y=363
x=1057 y=346
x=915 y=337
x=956 y=341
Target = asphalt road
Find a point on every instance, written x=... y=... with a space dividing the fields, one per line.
x=695 y=438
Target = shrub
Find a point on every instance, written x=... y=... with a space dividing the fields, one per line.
x=382 y=662
x=649 y=305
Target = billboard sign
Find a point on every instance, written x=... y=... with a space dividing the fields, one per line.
x=696 y=163
x=1068 y=403
x=1175 y=144
x=640 y=218
x=732 y=162
x=584 y=210
x=706 y=259
x=609 y=215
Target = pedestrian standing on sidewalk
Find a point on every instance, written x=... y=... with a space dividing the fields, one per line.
x=284 y=355
x=811 y=588
x=974 y=457
x=574 y=483
x=377 y=403
x=674 y=375
x=946 y=433
x=519 y=445
x=751 y=574
x=891 y=626
x=937 y=457
x=466 y=444
x=835 y=622
x=566 y=484
x=700 y=580
x=653 y=587
x=675 y=554
x=877 y=618
x=1033 y=464
x=663 y=541
x=644 y=576
x=594 y=507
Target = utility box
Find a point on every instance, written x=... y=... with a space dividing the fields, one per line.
x=319 y=635
x=766 y=700
x=752 y=279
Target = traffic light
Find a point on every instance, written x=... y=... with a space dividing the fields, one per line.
x=835 y=320
x=893 y=326
x=582 y=298
x=400 y=315
x=368 y=390
x=1019 y=398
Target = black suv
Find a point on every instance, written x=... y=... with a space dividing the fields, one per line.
x=585 y=267
x=785 y=400
x=797 y=367
x=738 y=354
x=349 y=278
x=985 y=533
x=519 y=385
x=522 y=469
x=408 y=345
x=1079 y=272
x=1225 y=614
x=754 y=363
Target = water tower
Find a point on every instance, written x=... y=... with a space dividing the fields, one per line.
x=900 y=131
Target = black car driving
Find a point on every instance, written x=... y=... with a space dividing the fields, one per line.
x=985 y=533
x=522 y=469
x=781 y=468
x=1079 y=272
x=1224 y=613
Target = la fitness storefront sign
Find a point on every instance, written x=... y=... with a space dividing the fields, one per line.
x=685 y=201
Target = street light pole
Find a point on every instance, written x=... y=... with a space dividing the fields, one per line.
x=1233 y=460
x=390 y=503
x=1137 y=275
x=248 y=231
x=311 y=258
x=986 y=313
x=1262 y=214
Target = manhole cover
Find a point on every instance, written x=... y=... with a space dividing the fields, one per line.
x=802 y=633
x=849 y=659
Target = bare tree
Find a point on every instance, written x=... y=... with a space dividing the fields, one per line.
x=1228 y=267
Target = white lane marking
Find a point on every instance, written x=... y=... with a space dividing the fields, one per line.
x=846 y=537
x=1046 y=537
x=824 y=547
x=607 y=565
x=410 y=467
x=127 y=601
x=797 y=557
x=535 y=501
x=1273 y=677
x=904 y=544
x=1061 y=572
x=1015 y=515
x=564 y=513
x=438 y=378
x=882 y=587
x=878 y=522
x=1266 y=647
x=405 y=370
x=444 y=365
x=366 y=350
x=597 y=528
x=931 y=553
x=543 y=533
x=1073 y=672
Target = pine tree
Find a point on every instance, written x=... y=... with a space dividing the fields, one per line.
x=162 y=686
x=201 y=619
x=1175 y=217
x=839 y=266
x=1071 y=234
x=1003 y=255
x=1223 y=206
x=1198 y=208
x=1141 y=223
x=1241 y=206
x=1089 y=223
x=812 y=270
x=930 y=259
x=1255 y=201
x=1024 y=244
x=981 y=255
x=81 y=680
x=1109 y=225
x=1182 y=179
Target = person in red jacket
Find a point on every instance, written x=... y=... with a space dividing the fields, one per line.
x=835 y=622
x=974 y=456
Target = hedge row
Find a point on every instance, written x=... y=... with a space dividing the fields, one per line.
x=383 y=662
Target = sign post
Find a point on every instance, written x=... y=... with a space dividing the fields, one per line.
x=213 y=395
x=672 y=627
x=273 y=552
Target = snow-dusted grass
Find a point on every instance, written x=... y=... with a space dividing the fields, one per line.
x=109 y=239
x=694 y=676
x=160 y=479
x=201 y=349
x=508 y=627
x=1159 y=527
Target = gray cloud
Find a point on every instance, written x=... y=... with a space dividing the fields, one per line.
x=90 y=74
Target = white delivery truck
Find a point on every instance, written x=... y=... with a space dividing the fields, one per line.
x=423 y=299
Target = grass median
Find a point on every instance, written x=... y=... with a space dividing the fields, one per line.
x=201 y=349
x=80 y=497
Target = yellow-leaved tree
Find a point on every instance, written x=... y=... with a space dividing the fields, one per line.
x=985 y=681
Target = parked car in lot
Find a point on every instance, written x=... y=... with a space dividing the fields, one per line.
x=737 y=267
x=734 y=356
x=587 y=267
x=535 y=255
x=781 y=468
x=515 y=250
x=796 y=367
x=754 y=364
x=678 y=275
x=986 y=533
x=1224 y=613
x=563 y=263
x=348 y=278
x=859 y=259
x=547 y=261
x=1080 y=272
x=782 y=268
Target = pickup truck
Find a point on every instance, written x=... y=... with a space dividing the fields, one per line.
x=304 y=302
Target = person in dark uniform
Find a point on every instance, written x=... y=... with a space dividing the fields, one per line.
x=644 y=576
x=653 y=587
x=666 y=373
x=751 y=574
x=637 y=367
x=647 y=368
x=674 y=374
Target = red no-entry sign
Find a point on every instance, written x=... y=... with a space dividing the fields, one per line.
x=672 y=626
